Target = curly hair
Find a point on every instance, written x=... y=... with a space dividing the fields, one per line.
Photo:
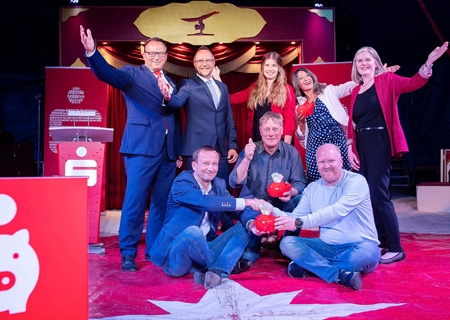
x=278 y=92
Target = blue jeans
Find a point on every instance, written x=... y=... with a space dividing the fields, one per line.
x=190 y=252
x=325 y=260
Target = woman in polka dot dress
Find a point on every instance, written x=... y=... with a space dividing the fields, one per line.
x=328 y=121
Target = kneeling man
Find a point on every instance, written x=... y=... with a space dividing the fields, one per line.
x=188 y=241
x=338 y=203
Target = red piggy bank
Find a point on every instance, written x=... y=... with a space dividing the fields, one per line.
x=265 y=223
x=276 y=189
x=306 y=109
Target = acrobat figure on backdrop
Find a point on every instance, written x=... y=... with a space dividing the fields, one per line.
x=338 y=203
x=254 y=172
x=321 y=117
x=188 y=242
x=375 y=135
x=270 y=92
x=151 y=142
x=209 y=118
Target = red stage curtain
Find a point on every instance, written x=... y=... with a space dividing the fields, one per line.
x=114 y=165
x=181 y=55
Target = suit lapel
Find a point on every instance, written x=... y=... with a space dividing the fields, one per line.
x=203 y=85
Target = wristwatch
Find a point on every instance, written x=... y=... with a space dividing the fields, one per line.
x=298 y=223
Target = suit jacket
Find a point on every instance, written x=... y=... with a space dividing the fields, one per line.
x=204 y=124
x=147 y=117
x=389 y=87
x=186 y=207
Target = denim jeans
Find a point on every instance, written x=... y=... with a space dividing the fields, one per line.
x=325 y=260
x=191 y=252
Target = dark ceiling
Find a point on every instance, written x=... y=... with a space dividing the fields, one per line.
x=398 y=29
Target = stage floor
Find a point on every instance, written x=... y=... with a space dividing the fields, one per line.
x=416 y=288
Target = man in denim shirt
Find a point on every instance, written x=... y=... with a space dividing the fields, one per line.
x=253 y=171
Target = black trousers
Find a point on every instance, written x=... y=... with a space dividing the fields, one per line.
x=374 y=150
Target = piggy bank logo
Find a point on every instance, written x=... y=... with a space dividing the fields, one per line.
x=19 y=264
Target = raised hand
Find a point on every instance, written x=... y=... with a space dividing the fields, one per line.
x=216 y=73
x=250 y=148
x=87 y=40
x=391 y=68
x=437 y=53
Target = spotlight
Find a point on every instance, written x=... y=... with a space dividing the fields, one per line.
x=73 y=1
x=318 y=5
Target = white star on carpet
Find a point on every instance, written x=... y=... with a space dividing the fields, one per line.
x=230 y=300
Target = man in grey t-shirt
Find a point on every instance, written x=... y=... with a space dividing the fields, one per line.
x=338 y=203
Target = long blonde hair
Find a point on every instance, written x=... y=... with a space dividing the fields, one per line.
x=278 y=92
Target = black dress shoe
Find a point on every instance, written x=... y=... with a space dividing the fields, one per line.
x=398 y=256
x=241 y=266
x=128 y=264
x=294 y=270
x=208 y=279
x=351 y=279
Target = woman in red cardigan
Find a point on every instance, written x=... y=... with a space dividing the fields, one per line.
x=270 y=92
x=375 y=136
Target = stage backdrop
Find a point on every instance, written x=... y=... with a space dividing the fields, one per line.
x=202 y=23
x=238 y=37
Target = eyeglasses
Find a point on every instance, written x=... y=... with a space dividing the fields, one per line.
x=207 y=61
x=152 y=54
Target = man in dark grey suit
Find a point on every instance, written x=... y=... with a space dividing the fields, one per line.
x=209 y=118
x=150 y=144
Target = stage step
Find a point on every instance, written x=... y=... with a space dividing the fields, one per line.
x=433 y=196
x=399 y=173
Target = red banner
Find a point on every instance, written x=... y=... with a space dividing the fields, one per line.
x=70 y=89
x=43 y=248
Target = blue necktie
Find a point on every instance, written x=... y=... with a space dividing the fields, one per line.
x=213 y=92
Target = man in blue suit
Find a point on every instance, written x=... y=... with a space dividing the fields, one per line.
x=150 y=144
x=188 y=242
x=209 y=117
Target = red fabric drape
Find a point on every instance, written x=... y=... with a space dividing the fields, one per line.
x=114 y=165
x=183 y=56
x=262 y=49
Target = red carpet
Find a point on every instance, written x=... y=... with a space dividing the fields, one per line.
x=416 y=288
